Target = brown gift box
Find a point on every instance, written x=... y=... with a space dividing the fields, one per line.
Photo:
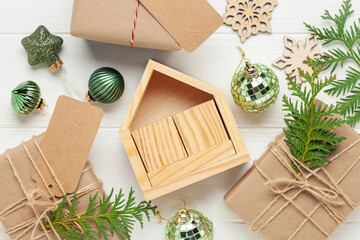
x=161 y=24
x=296 y=213
x=16 y=211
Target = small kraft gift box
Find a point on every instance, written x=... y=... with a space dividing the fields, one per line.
x=160 y=24
x=37 y=174
x=178 y=131
x=280 y=203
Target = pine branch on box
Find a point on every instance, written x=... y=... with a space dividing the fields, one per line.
x=310 y=134
x=350 y=86
x=110 y=217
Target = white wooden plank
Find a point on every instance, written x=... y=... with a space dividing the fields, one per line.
x=214 y=62
x=288 y=16
x=20 y=16
x=112 y=166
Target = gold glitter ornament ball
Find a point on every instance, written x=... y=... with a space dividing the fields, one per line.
x=189 y=224
x=255 y=87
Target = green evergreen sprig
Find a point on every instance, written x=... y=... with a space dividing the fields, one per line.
x=310 y=134
x=350 y=86
x=102 y=219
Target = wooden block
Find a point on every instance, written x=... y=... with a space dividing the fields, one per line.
x=201 y=127
x=135 y=160
x=159 y=144
x=195 y=176
x=191 y=163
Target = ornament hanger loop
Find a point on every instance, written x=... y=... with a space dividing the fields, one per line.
x=160 y=218
x=247 y=61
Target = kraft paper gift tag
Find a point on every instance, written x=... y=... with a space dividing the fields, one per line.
x=66 y=145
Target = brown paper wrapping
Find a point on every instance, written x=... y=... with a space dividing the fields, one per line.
x=161 y=24
x=263 y=210
x=111 y=21
x=11 y=191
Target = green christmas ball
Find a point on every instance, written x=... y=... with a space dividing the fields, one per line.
x=255 y=87
x=189 y=224
x=106 y=85
x=26 y=98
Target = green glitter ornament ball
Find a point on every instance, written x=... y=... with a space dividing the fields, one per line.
x=26 y=98
x=106 y=85
x=42 y=47
x=255 y=87
x=189 y=224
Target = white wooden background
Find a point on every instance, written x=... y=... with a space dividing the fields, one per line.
x=214 y=62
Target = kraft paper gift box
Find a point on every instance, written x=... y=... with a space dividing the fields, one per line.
x=160 y=24
x=16 y=212
x=25 y=200
x=311 y=209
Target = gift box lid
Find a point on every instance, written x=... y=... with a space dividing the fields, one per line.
x=189 y=24
x=161 y=24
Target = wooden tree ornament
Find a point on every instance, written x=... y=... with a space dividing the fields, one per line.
x=295 y=55
x=248 y=17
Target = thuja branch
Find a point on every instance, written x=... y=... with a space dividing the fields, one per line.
x=102 y=219
x=310 y=134
x=350 y=87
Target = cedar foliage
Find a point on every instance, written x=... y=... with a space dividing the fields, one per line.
x=349 y=87
x=109 y=217
x=310 y=134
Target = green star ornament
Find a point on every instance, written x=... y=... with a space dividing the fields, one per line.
x=42 y=47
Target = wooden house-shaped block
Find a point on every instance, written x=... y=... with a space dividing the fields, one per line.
x=178 y=131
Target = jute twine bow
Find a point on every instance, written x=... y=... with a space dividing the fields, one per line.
x=283 y=185
x=37 y=198
x=327 y=196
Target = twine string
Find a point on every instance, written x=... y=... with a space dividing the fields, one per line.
x=160 y=218
x=243 y=57
x=17 y=175
x=134 y=25
x=284 y=185
x=34 y=198
x=327 y=196
x=71 y=86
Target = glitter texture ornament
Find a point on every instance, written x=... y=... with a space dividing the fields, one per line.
x=26 y=98
x=42 y=47
x=254 y=87
x=189 y=224
x=106 y=85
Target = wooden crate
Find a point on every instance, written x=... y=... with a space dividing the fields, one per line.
x=178 y=131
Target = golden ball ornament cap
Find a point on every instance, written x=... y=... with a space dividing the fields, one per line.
x=56 y=66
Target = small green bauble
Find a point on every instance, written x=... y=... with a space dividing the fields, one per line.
x=189 y=224
x=26 y=98
x=255 y=87
x=106 y=85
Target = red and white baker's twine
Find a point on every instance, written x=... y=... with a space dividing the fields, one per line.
x=134 y=26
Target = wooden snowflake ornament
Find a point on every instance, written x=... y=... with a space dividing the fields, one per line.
x=248 y=17
x=295 y=55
